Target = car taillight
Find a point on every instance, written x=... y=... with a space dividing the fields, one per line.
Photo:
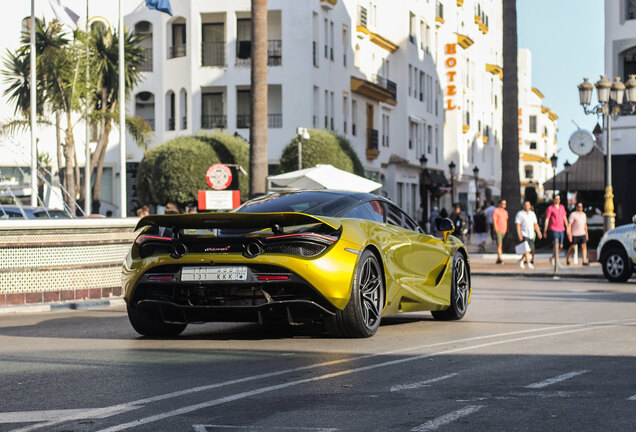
x=305 y=244
x=161 y=277
x=145 y=238
x=272 y=277
x=150 y=245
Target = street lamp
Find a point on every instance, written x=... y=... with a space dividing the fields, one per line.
x=567 y=166
x=610 y=97
x=302 y=133
x=477 y=197
x=553 y=161
x=451 y=169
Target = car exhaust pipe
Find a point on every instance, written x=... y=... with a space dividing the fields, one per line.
x=253 y=249
x=178 y=250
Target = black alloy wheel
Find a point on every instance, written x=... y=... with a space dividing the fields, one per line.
x=460 y=291
x=361 y=317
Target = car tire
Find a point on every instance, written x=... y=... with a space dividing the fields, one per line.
x=150 y=325
x=361 y=317
x=460 y=291
x=616 y=267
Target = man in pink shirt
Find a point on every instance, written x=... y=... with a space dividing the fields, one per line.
x=500 y=222
x=556 y=223
x=579 y=235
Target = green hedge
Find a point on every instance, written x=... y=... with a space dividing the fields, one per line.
x=322 y=147
x=144 y=178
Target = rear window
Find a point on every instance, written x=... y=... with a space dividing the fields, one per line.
x=314 y=203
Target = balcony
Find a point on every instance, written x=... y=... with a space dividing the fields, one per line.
x=372 y=144
x=362 y=17
x=439 y=13
x=177 y=51
x=244 y=52
x=377 y=88
x=274 y=121
x=213 y=121
x=213 y=53
x=146 y=65
x=243 y=121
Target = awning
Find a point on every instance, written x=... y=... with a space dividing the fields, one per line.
x=322 y=177
x=434 y=177
x=586 y=174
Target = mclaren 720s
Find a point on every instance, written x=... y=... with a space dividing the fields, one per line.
x=344 y=259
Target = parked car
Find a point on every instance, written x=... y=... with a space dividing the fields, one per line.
x=617 y=252
x=28 y=212
x=341 y=258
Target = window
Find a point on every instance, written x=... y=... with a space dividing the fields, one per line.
x=345 y=46
x=213 y=112
x=354 y=117
x=170 y=111
x=316 y=112
x=213 y=44
x=412 y=27
x=412 y=134
x=629 y=62
x=356 y=56
x=183 y=98
x=145 y=107
x=345 y=113
x=314 y=24
x=385 y=129
x=415 y=82
x=243 y=41
x=529 y=171
x=365 y=211
x=422 y=85
x=326 y=109
x=332 y=110
x=630 y=12
x=326 y=29
x=410 y=80
x=533 y=124
x=178 y=48
x=243 y=109
x=331 y=39
x=533 y=145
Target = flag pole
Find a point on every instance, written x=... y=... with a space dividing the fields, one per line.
x=34 y=174
x=122 y=119
x=88 y=201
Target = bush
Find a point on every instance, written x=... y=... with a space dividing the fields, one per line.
x=321 y=148
x=178 y=171
x=144 y=178
x=231 y=150
x=345 y=145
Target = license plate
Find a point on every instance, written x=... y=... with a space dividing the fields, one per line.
x=218 y=273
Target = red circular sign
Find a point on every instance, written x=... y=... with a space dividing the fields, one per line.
x=219 y=176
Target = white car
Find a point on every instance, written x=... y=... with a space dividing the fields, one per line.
x=617 y=252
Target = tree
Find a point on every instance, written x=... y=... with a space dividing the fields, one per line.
x=321 y=147
x=104 y=90
x=510 y=184
x=258 y=95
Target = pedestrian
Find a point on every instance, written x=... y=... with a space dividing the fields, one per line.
x=500 y=225
x=527 y=225
x=480 y=228
x=578 y=233
x=460 y=222
x=556 y=223
x=488 y=212
x=443 y=213
x=143 y=211
x=434 y=215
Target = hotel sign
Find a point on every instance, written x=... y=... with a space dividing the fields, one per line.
x=451 y=64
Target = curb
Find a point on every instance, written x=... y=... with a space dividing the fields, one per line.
x=74 y=305
x=541 y=275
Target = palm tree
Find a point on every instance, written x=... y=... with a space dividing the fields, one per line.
x=258 y=125
x=104 y=90
x=510 y=185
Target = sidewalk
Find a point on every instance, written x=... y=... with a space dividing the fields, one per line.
x=483 y=264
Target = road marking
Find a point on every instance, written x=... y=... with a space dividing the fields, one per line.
x=632 y=397
x=191 y=390
x=214 y=402
x=52 y=415
x=552 y=394
x=204 y=428
x=420 y=384
x=556 y=379
x=447 y=418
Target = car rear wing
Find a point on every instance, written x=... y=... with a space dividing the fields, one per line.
x=235 y=220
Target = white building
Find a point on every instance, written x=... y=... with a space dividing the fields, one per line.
x=468 y=37
x=620 y=61
x=537 y=130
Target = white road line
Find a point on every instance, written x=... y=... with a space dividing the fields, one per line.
x=632 y=397
x=204 y=428
x=420 y=384
x=447 y=418
x=210 y=403
x=49 y=415
x=191 y=390
x=556 y=379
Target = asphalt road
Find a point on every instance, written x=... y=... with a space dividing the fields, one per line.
x=531 y=355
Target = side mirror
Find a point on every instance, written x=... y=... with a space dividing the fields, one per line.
x=444 y=225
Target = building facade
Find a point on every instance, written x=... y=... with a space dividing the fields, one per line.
x=537 y=131
x=620 y=61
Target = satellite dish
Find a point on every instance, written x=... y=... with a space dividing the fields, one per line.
x=582 y=142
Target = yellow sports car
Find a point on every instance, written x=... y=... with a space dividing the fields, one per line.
x=342 y=258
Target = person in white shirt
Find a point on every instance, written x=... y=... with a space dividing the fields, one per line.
x=527 y=225
x=488 y=212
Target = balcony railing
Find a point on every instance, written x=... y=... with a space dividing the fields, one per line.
x=171 y=124
x=243 y=121
x=177 y=51
x=275 y=120
x=244 y=52
x=386 y=83
x=372 y=139
x=213 y=53
x=184 y=122
x=146 y=65
x=362 y=16
x=212 y=121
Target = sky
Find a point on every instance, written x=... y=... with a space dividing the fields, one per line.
x=566 y=39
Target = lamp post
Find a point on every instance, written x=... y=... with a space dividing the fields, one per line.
x=302 y=133
x=553 y=161
x=424 y=192
x=567 y=166
x=610 y=103
x=451 y=169
x=477 y=197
